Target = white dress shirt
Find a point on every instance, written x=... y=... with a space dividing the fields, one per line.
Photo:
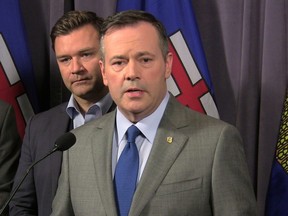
x=148 y=127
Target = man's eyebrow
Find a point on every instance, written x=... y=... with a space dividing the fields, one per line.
x=90 y=50
x=118 y=57
x=62 y=56
x=93 y=50
x=137 y=55
x=140 y=54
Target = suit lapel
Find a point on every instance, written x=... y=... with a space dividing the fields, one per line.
x=103 y=153
x=162 y=157
x=167 y=145
x=62 y=126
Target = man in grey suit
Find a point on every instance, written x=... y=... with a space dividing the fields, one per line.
x=10 y=146
x=76 y=40
x=189 y=163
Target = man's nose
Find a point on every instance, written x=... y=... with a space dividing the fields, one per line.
x=132 y=71
x=76 y=65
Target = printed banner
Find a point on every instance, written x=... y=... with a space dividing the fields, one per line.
x=17 y=85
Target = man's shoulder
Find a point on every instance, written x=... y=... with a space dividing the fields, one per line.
x=184 y=115
x=55 y=117
x=46 y=127
x=54 y=111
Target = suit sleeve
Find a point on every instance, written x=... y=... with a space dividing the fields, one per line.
x=24 y=201
x=232 y=191
x=10 y=144
x=62 y=203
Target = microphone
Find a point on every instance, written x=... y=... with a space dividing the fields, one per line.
x=63 y=143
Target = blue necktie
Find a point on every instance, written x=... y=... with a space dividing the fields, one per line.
x=126 y=172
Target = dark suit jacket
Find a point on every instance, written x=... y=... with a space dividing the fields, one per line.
x=10 y=145
x=36 y=194
x=202 y=172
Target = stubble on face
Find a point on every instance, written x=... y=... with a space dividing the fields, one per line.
x=140 y=86
x=78 y=59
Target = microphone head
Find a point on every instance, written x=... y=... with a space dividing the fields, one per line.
x=65 y=141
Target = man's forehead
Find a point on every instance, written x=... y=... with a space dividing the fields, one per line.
x=131 y=26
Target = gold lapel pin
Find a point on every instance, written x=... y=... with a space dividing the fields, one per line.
x=169 y=139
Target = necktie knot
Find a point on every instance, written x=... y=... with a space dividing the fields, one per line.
x=132 y=133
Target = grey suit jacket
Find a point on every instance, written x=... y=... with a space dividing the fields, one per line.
x=10 y=145
x=202 y=172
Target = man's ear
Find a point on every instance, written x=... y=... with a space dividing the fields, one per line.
x=169 y=61
x=102 y=68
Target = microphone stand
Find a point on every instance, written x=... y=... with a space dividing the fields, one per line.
x=63 y=143
x=26 y=173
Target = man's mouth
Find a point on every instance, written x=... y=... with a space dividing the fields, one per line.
x=79 y=81
x=134 y=92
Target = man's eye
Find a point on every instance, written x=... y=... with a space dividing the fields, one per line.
x=64 y=60
x=118 y=65
x=86 y=55
x=146 y=62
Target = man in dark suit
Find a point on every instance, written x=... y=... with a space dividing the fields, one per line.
x=75 y=39
x=10 y=146
x=187 y=163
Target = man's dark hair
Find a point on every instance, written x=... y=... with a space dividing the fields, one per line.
x=133 y=17
x=73 y=20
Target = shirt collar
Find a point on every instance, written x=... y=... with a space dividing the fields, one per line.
x=148 y=126
x=104 y=105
